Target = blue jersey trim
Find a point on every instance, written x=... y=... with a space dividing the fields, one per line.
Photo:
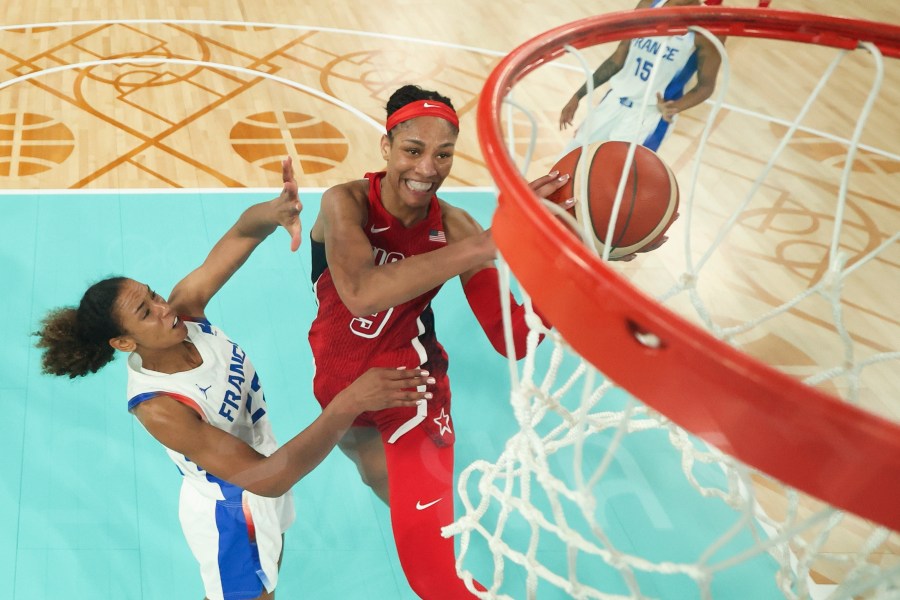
x=240 y=569
x=654 y=140
x=141 y=398
x=675 y=89
x=202 y=322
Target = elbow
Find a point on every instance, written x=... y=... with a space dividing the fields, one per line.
x=520 y=350
x=267 y=488
x=519 y=345
x=274 y=488
x=360 y=308
x=356 y=299
x=270 y=491
x=360 y=305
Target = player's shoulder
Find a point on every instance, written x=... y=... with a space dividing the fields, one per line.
x=458 y=221
x=349 y=199
x=452 y=212
x=355 y=190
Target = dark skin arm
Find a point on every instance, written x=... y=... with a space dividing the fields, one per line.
x=191 y=295
x=181 y=429
x=366 y=288
x=708 y=63
x=604 y=72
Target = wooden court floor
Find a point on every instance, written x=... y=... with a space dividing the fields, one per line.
x=219 y=92
x=189 y=125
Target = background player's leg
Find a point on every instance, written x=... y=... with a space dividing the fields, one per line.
x=421 y=489
x=364 y=447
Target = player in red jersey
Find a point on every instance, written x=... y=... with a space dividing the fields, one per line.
x=378 y=312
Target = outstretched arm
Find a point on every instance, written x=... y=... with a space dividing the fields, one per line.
x=181 y=429
x=366 y=288
x=191 y=295
x=481 y=284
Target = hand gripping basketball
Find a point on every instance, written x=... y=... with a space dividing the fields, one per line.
x=649 y=203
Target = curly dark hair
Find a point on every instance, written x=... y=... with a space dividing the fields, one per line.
x=412 y=93
x=75 y=341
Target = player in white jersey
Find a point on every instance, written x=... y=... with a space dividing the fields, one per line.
x=666 y=63
x=199 y=395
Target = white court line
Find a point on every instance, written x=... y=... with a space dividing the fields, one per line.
x=362 y=116
x=372 y=34
x=201 y=63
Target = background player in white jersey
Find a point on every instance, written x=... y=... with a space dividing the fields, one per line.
x=198 y=394
x=618 y=116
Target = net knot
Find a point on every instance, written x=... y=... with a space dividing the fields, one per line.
x=688 y=280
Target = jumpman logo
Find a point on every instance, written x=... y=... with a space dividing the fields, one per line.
x=203 y=389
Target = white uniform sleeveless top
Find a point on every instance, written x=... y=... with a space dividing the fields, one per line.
x=668 y=55
x=225 y=391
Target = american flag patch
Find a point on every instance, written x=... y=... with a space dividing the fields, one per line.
x=437 y=236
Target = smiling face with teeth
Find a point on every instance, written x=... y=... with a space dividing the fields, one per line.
x=419 y=155
x=151 y=326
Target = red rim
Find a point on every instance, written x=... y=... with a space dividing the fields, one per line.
x=801 y=436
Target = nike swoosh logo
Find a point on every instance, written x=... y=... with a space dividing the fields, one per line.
x=426 y=105
x=379 y=229
x=420 y=506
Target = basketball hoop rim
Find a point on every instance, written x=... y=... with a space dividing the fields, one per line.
x=848 y=457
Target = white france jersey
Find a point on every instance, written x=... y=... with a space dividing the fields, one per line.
x=225 y=391
x=668 y=56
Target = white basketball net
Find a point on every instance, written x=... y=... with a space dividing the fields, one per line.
x=548 y=508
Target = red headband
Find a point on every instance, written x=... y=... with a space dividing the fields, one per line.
x=422 y=108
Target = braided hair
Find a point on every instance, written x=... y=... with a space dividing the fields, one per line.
x=75 y=341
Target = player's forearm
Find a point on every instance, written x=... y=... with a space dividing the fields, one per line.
x=385 y=286
x=482 y=291
x=274 y=475
x=692 y=98
x=258 y=221
x=604 y=72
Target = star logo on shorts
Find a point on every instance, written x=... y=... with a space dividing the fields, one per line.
x=443 y=421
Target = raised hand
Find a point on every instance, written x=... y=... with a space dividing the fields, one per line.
x=666 y=108
x=547 y=184
x=289 y=205
x=568 y=113
x=380 y=388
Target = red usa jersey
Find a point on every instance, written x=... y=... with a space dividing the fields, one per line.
x=345 y=346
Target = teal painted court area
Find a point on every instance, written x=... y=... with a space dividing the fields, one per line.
x=88 y=500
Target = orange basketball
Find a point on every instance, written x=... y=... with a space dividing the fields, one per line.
x=649 y=203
